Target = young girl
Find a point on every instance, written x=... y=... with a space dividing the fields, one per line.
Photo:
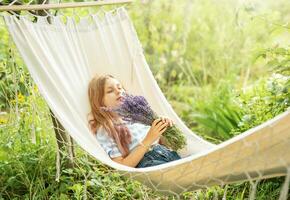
x=134 y=145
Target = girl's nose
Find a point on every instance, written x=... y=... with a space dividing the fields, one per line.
x=119 y=91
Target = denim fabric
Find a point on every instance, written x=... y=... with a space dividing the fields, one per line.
x=159 y=154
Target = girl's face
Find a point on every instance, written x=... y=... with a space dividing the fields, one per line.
x=113 y=94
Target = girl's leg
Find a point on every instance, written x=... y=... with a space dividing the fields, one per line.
x=149 y=163
x=167 y=153
x=158 y=155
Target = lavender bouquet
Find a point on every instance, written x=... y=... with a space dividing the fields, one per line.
x=136 y=109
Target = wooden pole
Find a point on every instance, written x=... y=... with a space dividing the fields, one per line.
x=62 y=5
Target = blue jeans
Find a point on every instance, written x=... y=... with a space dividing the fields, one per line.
x=159 y=154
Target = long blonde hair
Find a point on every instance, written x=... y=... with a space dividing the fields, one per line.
x=120 y=133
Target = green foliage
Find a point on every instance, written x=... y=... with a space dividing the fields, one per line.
x=198 y=43
x=266 y=99
x=219 y=114
x=14 y=77
x=278 y=58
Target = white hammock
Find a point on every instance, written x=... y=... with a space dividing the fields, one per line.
x=62 y=58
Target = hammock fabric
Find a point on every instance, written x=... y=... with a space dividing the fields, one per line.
x=63 y=57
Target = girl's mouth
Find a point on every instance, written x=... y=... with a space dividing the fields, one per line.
x=120 y=98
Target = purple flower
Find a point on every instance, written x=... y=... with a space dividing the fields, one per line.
x=136 y=109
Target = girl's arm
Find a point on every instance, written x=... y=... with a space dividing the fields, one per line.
x=158 y=127
x=135 y=156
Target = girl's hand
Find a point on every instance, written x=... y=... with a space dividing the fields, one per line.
x=166 y=119
x=157 y=128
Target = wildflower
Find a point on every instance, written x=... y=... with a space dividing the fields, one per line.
x=3 y=121
x=20 y=98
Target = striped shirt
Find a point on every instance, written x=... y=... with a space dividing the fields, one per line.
x=138 y=133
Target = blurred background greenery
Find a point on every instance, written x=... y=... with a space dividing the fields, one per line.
x=223 y=65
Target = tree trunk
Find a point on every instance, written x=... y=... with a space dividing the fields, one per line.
x=64 y=142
